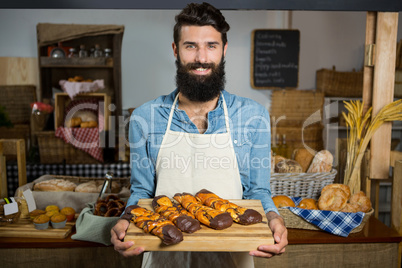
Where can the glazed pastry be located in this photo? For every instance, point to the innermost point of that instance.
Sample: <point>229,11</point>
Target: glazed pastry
<point>239,214</point>
<point>183,219</point>
<point>154,223</point>
<point>281,201</point>
<point>213,218</point>
<point>308,203</point>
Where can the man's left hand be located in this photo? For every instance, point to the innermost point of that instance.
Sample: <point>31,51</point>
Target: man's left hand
<point>280,234</point>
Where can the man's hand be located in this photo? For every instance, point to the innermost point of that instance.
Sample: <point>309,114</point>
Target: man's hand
<point>118,232</point>
<point>280,234</point>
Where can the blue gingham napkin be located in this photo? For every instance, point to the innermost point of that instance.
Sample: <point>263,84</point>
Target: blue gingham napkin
<point>334,222</point>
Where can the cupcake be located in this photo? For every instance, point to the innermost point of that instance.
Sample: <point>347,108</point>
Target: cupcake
<point>52,207</point>
<point>34,213</point>
<point>69,212</point>
<point>41,222</point>
<point>58,221</point>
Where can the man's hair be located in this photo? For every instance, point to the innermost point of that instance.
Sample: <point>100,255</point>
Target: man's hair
<point>200,15</point>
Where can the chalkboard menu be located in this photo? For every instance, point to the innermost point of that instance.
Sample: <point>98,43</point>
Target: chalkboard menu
<point>275,59</point>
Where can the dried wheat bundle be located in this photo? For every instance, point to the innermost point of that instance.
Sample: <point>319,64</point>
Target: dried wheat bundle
<point>361,128</point>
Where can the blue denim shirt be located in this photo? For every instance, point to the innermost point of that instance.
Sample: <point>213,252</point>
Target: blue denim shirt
<point>250,131</point>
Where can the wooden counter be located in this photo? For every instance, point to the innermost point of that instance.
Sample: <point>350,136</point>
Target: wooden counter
<point>375,246</point>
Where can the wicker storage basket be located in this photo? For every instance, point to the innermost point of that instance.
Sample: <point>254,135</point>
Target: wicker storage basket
<point>305,185</point>
<point>53,150</point>
<point>339,84</point>
<point>296,222</point>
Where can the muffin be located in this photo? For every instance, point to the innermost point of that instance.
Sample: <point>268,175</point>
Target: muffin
<point>50,213</point>
<point>58,221</point>
<point>52,207</point>
<point>41,222</point>
<point>69,212</point>
<point>34,213</point>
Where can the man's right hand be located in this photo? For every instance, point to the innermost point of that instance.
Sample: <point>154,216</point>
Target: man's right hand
<point>118,233</point>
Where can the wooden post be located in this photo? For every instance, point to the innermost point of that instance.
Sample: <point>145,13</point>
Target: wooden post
<point>396,203</point>
<point>383,91</point>
<point>3,174</point>
<point>17,147</point>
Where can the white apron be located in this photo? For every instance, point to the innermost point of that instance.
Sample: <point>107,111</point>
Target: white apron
<point>190,162</point>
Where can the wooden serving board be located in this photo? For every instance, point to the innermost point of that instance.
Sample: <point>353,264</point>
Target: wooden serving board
<point>237,238</point>
<point>26,228</point>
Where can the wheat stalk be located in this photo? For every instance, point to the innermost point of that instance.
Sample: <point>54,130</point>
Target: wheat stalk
<point>360,131</point>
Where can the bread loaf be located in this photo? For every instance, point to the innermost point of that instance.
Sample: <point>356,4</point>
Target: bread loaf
<point>96,186</point>
<point>303,157</point>
<point>288,166</point>
<point>322,162</point>
<point>55,185</point>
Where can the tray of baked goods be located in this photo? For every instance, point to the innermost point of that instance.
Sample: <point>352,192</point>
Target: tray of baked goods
<point>51,222</point>
<point>200,222</point>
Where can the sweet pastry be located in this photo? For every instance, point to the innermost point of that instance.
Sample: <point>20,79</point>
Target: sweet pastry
<point>58,218</point>
<point>183,219</point>
<point>54,185</point>
<point>34,213</point>
<point>362,201</point>
<point>73,122</point>
<point>154,223</point>
<point>322,162</point>
<point>304,157</point>
<point>288,166</point>
<point>89,124</point>
<point>111,206</point>
<point>341,186</point>
<point>69,212</point>
<point>333,199</point>
<point>41,219</point>
<point>308,203</point>
<point>239,214</point>
<point>281,201</point>
<point>210,217</point>
<point>50,213</point>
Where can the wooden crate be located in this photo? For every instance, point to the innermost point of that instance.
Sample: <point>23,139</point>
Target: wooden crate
<point>62,100</point>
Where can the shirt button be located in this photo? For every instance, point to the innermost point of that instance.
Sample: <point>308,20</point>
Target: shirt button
<point>235,141</point>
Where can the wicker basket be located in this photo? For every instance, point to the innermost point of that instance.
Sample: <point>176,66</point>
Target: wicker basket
<point>53,150</point>
<point>339,84</point>
<point>124,181</point>
<point>296,222</point>
<point>305,185</point>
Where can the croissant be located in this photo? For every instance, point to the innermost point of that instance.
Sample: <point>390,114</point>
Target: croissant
<point>239,214</point>
<point>74,122</point>
<point>213,218</point>
<point>89,124</point>
<point>183,219</point>
<point>154,223</point>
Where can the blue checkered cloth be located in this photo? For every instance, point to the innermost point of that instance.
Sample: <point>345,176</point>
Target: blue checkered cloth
<point>334,222</point>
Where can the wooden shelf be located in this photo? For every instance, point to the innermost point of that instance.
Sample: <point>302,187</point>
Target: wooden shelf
<point>76,62</point>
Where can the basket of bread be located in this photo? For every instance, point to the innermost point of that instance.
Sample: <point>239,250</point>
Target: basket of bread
<point>304,175</point>
<point>336,210</point>
<point>72,191</point>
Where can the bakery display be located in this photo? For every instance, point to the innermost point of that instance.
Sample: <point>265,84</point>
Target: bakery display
<point>210,217</point>
<point>54,185</point>
<point>154,223</point>
<point>281,201</point>
<point>239,214</point>
<point>183,219</point>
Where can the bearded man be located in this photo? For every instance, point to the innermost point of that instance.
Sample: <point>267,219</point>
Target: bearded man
<point>177,140</point>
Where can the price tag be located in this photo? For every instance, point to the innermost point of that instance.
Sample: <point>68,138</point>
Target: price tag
<point>11,207</point>
<point>30,200</point>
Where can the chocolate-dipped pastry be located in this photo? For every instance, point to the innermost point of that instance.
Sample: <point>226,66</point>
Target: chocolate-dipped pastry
<point>183,219</point>
<point>208,216</point>
<point>239,214</point>
<point>155,224</point>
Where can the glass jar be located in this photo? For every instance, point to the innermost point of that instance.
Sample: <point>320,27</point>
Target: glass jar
<point>98,52</point>
<point>72,53</point>
<point>82,53</point>
<point>108,52</point>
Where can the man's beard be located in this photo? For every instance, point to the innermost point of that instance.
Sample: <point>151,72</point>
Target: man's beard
<point>200,88</point>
